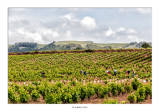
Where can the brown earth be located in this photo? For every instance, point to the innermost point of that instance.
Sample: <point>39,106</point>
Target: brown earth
<point>82,51</point>
<point>95,100</point>
<point>120,98</point>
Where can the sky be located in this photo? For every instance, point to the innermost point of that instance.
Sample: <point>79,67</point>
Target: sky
<point>100,25</point>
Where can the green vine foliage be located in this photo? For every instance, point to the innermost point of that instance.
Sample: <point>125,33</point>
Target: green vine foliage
<point>132,98</point>
<point>24,96</point>
<point>71,93</point>
<point>58,67</point>
<point>12,96</point>
<point>57,77</point>
<point>135,84</point>
<point>140,94</point>
<point>110,101</point>
<point>35,95</point>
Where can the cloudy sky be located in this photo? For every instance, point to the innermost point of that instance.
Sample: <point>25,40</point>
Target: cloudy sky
<point>100,25</point>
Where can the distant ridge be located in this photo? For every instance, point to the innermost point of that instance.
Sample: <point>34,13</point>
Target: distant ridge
<point>70,45</point>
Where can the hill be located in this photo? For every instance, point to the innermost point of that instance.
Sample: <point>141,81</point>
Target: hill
<point>70,45</point>
<point>22,47</point>
<point>73,45</point>
<point>136,45</point>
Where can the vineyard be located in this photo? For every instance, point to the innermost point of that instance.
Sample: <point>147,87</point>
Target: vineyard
<point>55,78</point>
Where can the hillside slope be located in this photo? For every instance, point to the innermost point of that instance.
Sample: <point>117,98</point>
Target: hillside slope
<point>73,45</point>
<point>70,45</point>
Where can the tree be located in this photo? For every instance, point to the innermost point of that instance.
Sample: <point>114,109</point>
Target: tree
<point>110,47</point>
<point>146,45</point>
<point>78,48</point>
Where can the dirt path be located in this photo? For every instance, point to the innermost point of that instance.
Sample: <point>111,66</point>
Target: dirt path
<point>95,100</point>
<point>96,81</point>
<point>120,98</point>
<point>81,51</point>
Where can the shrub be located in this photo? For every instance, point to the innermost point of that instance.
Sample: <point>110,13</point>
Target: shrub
<point>97,89</point>
<point>131,98</point>
<point>120,89</point>
<point>102,94</point>
<point>105,82</point>
<point>68,98</point>
<point>42,90</point>
<point>35,83</point>
<point>146,45</point>
<point>59,84</point>
<point>89,50</point>
<point>123,102</point>
<point>75,95</point>
<point>113,89</point>
<point>110,101</point>
<point>128,88</point>
<point>73,83</point>
<point>83,92</point>
<point>14,98</point>
<point>90,92</point>
<point>53,88</point>
<point>30,88</point>
<point>104,91</point>
<point>140,94</point>
<point>51,98</point>
<point>24,96</point>
<point>135,84</point>
<point>17,88</point>
<point>150,80</point>
<point>35,95</point>
<point>146,79</point>
<point>148,91</point>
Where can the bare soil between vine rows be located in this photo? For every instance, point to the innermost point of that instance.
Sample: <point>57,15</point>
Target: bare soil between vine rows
<point>95,100</point>
<point>120,98</point>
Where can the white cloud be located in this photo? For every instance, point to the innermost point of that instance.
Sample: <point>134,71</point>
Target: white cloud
<point>41,35</point>
<point>144,10</point>
<point>132,38</point>
<point>121,34</point>
<point>139,10</point>
<point>68,16</point>
<point>121,29</point>
<point>45,26</point>
<point>64,25</point>
<point>36,37</point>
<point>68,35</point>
<point>97,34</point>
<point>21,35</point>
<point>88,23</point>
<point>50,32</point>
<point>131,31</point>
<point>126,30</point>
<point>109,32</point>
<point>20,30</point>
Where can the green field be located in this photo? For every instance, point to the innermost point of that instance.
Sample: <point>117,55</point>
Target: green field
<point>56,78</point>
<point>84,43</point>
<point>40,45</point>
